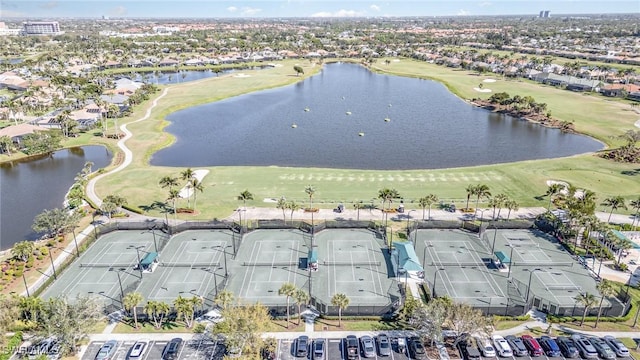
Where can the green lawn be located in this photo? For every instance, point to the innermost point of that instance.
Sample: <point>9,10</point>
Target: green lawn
<point>523,181</point>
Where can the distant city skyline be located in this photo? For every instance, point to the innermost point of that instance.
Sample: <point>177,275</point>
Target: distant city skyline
<point>302,8</point>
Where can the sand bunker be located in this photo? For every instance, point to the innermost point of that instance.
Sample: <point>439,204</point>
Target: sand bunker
<point>482,90</point>
<point>489,80</point>
<point>187,191</point>
<point>637,124</point>
<point>241,75</point>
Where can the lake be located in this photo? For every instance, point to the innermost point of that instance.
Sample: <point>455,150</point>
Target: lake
<point>348,117</point>
<point>28,187</point>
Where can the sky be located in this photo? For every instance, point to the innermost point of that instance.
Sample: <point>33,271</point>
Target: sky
<point>303,8</point>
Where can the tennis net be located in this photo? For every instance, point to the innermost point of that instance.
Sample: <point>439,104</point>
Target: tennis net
<point>348,263</point>
<point>542,263</point>
<point>459,264</point>
<point>191,265</point>
<point>563,287</point>
<point>106,265</point>
<point>290,263</point>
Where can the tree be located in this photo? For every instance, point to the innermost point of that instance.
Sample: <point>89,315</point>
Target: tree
<point>70,321</point>
<point>55,221</point>
<point>587,301</point>
<point>425,201</point>
<point>471,190</point>
<point>614,203</point>
<point>131,302</point>
<point>185,308</point>
<point>108,208</point>
<point>187,175</point>
<point>606,289</point>
<point>465,319</point>
<point>552,191</point>
<point>429,319</point>
<point>310,191</point>
<point>293,207</point>
<point>31,307</point>
<point>243,327</point>
<point>289,290</point>
<point>6,144</point>
<point>298,69</point>
<point>157,311</point>
<point>498,202</point>
<point>41,142</point>
<point>635,204</point>
<point>168,182</point>
<point>196,185</point>
<point>282,204</point>
<point>388,195</point>
<point>482,191</point>
<point>511,205</point>
<point>301,298</point>
<point>22,250</point>
<point>341,301</point>
<point>174,195</point>
<point>224,299</point>
<point>244,196</point>
<point>116,200</point>
<point>357,206</point>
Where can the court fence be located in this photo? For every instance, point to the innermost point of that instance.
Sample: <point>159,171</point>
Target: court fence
<point>395,298</point>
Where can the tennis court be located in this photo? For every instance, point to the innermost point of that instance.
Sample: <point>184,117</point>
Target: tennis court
<point>266,260</point>
<point>353,262</point>
<point>191,264</point>
<point>540,271</point>
<point>107,264</point>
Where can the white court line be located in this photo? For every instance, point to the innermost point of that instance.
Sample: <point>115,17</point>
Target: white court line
<point>246,273</point>
<point>373,273</point>
<point>446,273</point>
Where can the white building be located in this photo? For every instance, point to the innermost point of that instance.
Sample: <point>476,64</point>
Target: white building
<point>41,28</point>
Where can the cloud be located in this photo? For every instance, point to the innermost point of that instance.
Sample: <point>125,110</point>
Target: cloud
<point>463,12</point>
<point>375,7</point>
<point>118,11</point>
<point>232,9</point>
<point>11,14</point>
<point>249,11</point>
<point>485,4</point>
<point>49,5</point>
<point>339,13</point>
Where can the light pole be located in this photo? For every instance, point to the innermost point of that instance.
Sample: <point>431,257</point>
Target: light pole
<point>224,251</point>
<point>95,231</point>
<point>510,261</point>
<point>119,283</point>
<point>26,287</point>
<point>408,218</point>
<point>155,244</point>
<point>55,276</point>
<point>529,284</point>
<point>138,253</point>
<point>73,231</point>
<point>433,291</point>
<point>312,229</point>
<point>495,233</point>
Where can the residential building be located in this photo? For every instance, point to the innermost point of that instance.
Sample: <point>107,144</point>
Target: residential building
<point>41,28</point>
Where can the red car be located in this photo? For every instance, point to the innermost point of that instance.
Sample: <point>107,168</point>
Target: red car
<point>532,345</point>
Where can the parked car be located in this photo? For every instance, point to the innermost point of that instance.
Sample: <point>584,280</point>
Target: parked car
<point>107,350</point>
<point>368,346</point>
<point>485,347</point>
<point>384,345</point>
<point>172,349</point>
<point>416,349</point>
<point>318,349</point>
<point>302,346</point>
<point>585,348</point>
<point>604,351</point>
<point>41,348</point>
<point>550,347</point>
<point>502,346</point>
<point>517,346</point>
<point>468,349</point>
<point>137,350</point>
<point>351,347</point>
<point>616,345</point>
<point>532,345</point>
<point>567,347</point>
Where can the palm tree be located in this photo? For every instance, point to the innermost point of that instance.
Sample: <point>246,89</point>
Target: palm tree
<point>187,175</point>
<point>301,297</point>
<point>168,182</point>
<point>289,290</point>
<point>282,204</point>
<point>310,190</point>
<point>587,301</point>
<point>482,190</point>
<point>606,289</point>
<point>31,307</point>
<point>471,190</point>
<point>185,308</point>
<point>244,196</point>
<point>174,195</point>
<point>117,200</point>
<point>342,302</point>
<point>196,185</point>
<point>387,195</point>
<point>6,144</point>
<point>224,299</point>
<point>22,250</point>
<point>615,203</point>
<point>357,206</point>
<point>130,303</point>
<point>501,200</point>
<point>511,205</point>
<point>425,201</point>
<point>293,207</point>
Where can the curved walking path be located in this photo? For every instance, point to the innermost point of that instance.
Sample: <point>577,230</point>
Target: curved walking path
<point>128,155</point>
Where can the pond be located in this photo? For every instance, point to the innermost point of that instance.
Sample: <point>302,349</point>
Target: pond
<point>177,77</point>
<point>349,117</point>
<point>28,187</point>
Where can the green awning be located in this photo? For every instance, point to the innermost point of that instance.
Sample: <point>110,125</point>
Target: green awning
<point>148,259</point>
<point>502,257</point>
<point>313,256</point>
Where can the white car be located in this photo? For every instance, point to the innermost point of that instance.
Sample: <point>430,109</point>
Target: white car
<point>502,346</point>
<point>484,345</point>
<point>137,350</point>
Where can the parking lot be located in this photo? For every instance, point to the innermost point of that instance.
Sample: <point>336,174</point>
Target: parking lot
<point>206,349</point>
<point>334,350</point>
